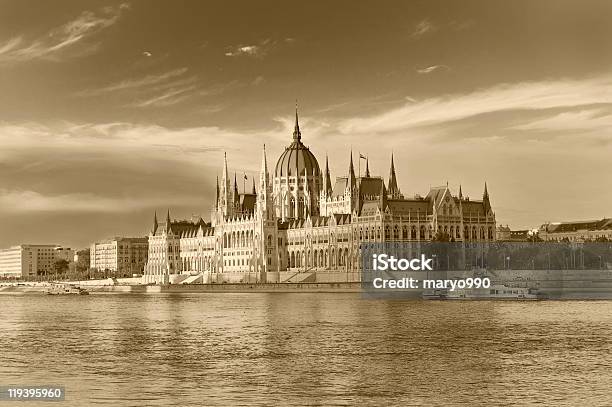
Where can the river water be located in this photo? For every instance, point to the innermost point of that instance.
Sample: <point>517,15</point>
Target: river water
<point>306,349</point>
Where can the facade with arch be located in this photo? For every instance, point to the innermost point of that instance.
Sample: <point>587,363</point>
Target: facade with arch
<point>297,220</point>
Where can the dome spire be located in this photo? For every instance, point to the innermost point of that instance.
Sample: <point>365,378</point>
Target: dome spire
<point>296,130</point>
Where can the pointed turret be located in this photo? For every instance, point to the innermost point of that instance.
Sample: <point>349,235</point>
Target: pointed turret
<point>254,192</point>
<point>236,196</point>
<point>226,201</point>
<point>168,220</point>
<point>393,188</point>
<point>460,192</point>
<point>225,173</point>
<point>263,174</point>
<point>351,174</point>
<point>264,198</point>
<point>217,195</point>
<point>367,172</point>
<point>485,200</point>
<point>155,224</point>
<point>297,136</point>
<point>327,187</point>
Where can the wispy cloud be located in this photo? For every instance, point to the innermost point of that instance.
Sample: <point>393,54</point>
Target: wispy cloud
<point>164,89</point>
<point>255,50</point>
<point>432,68</point>
<point>423,27</point>
<point>62,39</point>
<point>169,97</point>
<point>134,83</point>
<point>589,119</point>
<point>25,201</point>
<point>506,97</point>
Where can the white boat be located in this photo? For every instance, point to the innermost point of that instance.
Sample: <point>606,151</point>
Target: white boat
<point>495,292</point>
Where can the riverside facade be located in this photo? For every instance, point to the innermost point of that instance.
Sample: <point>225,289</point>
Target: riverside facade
<point>297,223</point>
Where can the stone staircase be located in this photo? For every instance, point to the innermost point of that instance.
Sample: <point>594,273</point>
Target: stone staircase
<point>302,277</point>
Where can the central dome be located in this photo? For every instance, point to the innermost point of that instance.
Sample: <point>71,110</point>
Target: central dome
<point>296,158</point>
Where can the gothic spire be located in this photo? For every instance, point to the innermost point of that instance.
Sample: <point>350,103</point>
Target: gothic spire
<point>485,199</point>
<point>217,196</point>
<point>155,224</point>
<point>264,200</point>
<point>460,192</point>
<point>225,173</point>
<point>351,172</point>
<point>264,164</point>
<point>393,189</point>
<point>367,171</point>
<point>254,192</point>
<point>168,220</point>
<point>297,135</point>
<point>327,186</point>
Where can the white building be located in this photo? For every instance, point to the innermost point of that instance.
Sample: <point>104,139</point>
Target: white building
<point>577,231</point>
<point>29,260</point>
<point>125,255</point>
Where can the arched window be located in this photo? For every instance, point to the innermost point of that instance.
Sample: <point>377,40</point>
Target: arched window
<point>346,257</point>
<point>292,208</point>
<point>300,207</point>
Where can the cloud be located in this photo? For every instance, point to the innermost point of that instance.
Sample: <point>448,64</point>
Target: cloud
<point>134,83</point>
<point>432,68</point>
<point>423,27</point>
<point>251,50</point>
<point>504,97</point>
<point>258,50</point>
<point>121,140</point>
<point>588,119</point>
<point>165,89</point>
<point>62,39</point>
<point>170,97</point>
<point>258,81</point>
<point>25,201</point>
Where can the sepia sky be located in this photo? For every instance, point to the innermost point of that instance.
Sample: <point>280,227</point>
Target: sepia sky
<point>110,111</point>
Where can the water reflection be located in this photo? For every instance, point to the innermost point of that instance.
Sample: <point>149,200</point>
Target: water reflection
<point>299,348</point>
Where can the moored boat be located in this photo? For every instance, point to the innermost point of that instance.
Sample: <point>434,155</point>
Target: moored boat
<point>66,289</point>
<point>495,292</point>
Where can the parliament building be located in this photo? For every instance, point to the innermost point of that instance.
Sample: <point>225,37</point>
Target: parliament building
<point>297,225</point>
